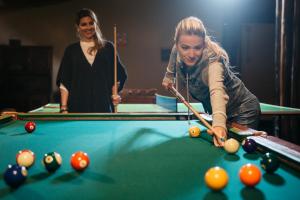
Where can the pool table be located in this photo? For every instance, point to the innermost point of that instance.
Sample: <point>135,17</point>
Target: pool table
<point>132,157</point>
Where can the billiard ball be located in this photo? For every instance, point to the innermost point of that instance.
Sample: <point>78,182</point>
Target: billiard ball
<point>269,162</point>
<point>249,145</point>
<point>231,146</point>
<point>25,158</point>
<point>80,161</point>
<point>250,175</point>
<point>216,178</point>
<point>15,175</point>
<point>194,131</point>
<point>30,127</point>
<point>52,161</point>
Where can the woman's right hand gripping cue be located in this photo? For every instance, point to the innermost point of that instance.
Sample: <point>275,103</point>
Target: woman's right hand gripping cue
<point>219,135</point>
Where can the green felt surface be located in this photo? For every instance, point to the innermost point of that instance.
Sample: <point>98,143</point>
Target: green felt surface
<point>132,160</point>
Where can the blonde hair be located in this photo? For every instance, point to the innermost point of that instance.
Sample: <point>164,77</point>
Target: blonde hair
<point>194,26</point>
<point>98,38</point>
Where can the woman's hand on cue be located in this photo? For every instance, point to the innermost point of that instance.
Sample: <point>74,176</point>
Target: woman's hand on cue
<point>167,85</point>
<point>116,99</point>
<point>220,135</point>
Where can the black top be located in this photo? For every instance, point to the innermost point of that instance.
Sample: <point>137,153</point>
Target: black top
<point>90,87</point>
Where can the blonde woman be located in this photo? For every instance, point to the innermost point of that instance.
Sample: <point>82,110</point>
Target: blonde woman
<point>86,73</point>
<point>204,64</point>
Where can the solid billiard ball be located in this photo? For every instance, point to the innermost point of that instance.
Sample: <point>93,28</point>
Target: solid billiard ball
<point>80,161</point>
<point>52,161</point>
<point>269,162</point>
<point>15,175</point>
<point>194,131</point>
<point>30,127</point>
<point>216,178</point>
<point>231,146</point>
<point>250,175</point>
<point>25,158</point>
<point>249,145</point>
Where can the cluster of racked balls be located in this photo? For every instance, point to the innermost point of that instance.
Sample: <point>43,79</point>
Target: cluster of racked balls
<point>216,178</point>
<point>16,174</point>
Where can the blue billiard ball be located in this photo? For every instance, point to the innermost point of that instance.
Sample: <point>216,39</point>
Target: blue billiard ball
<point>249,145</point>
<point>15,175</point>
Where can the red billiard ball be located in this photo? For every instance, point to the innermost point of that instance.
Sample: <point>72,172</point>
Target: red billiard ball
<point>80,161</point>
<point>25,158</point>
<point>30,127</point>
<point>250,175</point>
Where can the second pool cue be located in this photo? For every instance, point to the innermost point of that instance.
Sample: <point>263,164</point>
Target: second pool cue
<point>115,91</point>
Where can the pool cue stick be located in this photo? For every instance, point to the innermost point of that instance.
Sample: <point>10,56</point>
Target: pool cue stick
<point>115,92</point>
<point>187,96</point>
<point>182,99</point>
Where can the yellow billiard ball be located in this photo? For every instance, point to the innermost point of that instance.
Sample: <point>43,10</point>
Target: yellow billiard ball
<point>216,178</point>
<point>25,158</point>
<point>194,131</point>
<point>231,146</point>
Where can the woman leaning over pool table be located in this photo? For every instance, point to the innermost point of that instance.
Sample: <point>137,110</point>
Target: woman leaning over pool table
<point>204,64</point>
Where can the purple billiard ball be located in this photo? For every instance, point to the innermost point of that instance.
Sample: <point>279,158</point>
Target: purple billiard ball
<point>249,145</point>
<point>15,175</point>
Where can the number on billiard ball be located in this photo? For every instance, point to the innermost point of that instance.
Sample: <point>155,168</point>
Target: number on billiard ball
<point>80,161</point>
<point>269,162</point>
<point>249,145</point>
<point>250,175</point>
<point>216,178</point>
<point>15,175</point>
<point>25,158</point>
<point>30,127</point>
<point>52,161</point>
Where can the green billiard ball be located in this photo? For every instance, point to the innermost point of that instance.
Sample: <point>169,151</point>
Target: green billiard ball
<point>52,161</point>
<point>269,162</point>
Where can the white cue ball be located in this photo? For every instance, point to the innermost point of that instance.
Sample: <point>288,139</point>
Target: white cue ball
<point>231,146</point>
<point>25,158</point>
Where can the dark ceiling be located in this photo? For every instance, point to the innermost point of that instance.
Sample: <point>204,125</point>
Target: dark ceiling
<point>8,5</point>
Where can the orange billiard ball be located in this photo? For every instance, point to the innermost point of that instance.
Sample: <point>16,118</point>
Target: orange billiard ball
<point>80,161</point>
<point>250,175</point>
<point>30,127</point>
<point>194,131</point>
<point>216,178</point>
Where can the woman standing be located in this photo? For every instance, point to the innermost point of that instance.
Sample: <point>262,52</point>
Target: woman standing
<point>86,73</point>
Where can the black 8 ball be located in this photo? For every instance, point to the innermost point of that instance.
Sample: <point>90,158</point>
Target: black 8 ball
<point>269,162</point>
